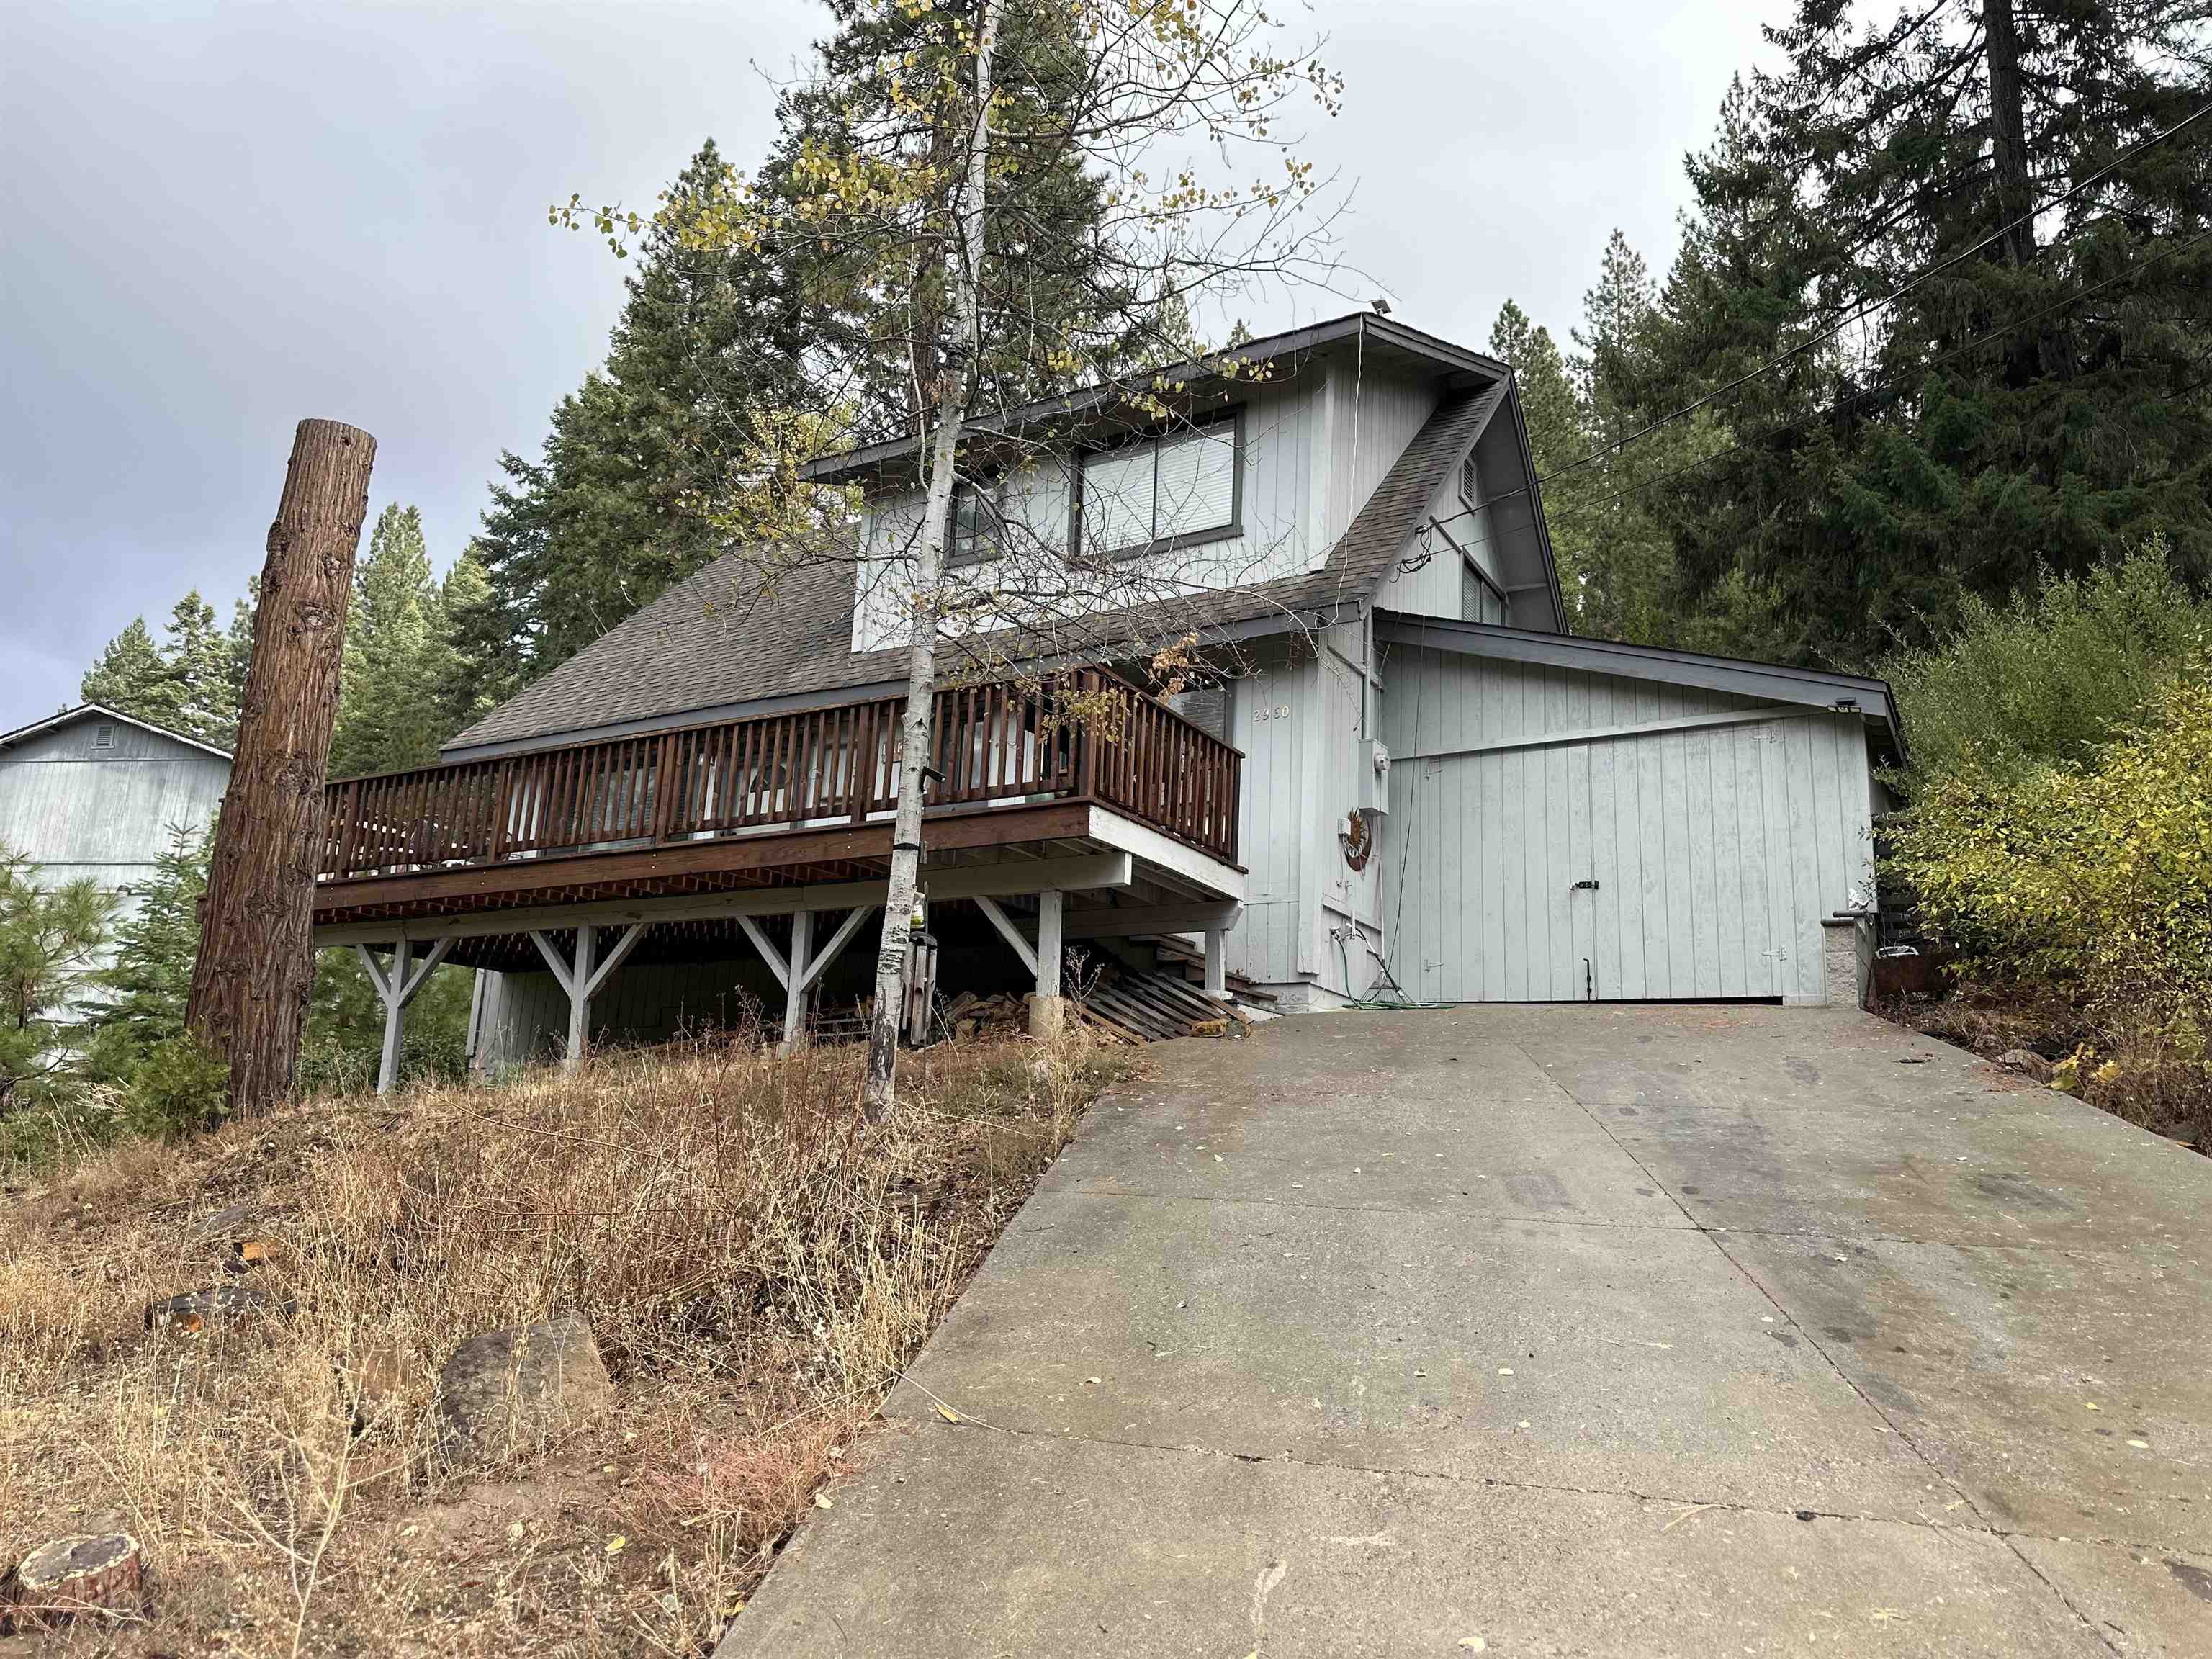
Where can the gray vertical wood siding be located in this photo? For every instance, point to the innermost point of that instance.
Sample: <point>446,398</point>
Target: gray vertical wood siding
<point>104,813</point>
<point>1271,719</point>
<point>1717,849</point>
<point>523,1018</point>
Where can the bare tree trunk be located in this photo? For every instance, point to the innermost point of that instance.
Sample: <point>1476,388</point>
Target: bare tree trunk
<point>956,386</point>
<point>251,979</point>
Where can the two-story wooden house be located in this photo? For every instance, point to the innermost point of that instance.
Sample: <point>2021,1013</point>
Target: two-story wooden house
<point>1416,783</point>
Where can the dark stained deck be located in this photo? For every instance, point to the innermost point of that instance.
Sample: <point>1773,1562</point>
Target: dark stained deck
<point>799,798</point>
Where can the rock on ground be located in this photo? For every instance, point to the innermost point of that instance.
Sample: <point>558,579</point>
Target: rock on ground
<point>512,1390</point>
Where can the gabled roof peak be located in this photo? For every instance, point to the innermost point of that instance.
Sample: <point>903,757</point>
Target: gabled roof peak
<point>89,710</point>
<point>1363,331</point>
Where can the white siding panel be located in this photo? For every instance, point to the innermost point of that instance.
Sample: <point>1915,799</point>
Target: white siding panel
<point>1717,849</point>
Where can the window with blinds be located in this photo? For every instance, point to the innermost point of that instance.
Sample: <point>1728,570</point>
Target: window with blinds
<point>1479,602</point>
<point>1167,492</point>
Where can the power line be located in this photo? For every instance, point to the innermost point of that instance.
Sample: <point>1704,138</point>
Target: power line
<point>1936,362</point>
<point>1897,292</point>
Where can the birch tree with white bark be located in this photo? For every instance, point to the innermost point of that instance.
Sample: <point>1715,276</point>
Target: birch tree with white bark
<point>926,182</point>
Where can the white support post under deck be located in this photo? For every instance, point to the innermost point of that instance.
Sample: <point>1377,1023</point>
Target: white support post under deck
<point>1043,959</point>
<point>796,984</point>
<point>1217,963</point>
<point>1051,908</point>
<point>396,989</point>
<point>581,978</point>
<point>802,970</point>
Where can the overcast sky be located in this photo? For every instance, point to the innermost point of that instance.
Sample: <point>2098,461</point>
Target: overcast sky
<point>216,219</point>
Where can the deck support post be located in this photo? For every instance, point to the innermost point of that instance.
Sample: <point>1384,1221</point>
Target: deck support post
<point>1051,909</point>
<point>797,983</point>
<point>802,970</point>
<point>1217,963</point>
<point>579,999</point>
<point>395,989</point>
<point>582,977</point>
<point>1048,1011</point>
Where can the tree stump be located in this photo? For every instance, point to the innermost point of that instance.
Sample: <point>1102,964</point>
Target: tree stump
<point>256,960</point>
<point>100,1575</point>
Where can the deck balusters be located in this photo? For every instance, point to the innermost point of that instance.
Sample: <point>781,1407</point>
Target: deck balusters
<point>989,743</point>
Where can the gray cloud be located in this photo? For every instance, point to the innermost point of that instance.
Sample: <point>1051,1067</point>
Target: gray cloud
<point>220,218</point>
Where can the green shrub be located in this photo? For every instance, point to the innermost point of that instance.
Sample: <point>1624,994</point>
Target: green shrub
<point>2094,876</point>
<point>179,1088</point>
<point>2050,677</point>
<point>48,936</point>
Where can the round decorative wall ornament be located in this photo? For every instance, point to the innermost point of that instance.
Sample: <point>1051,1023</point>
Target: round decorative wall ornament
<point>1359,839</point>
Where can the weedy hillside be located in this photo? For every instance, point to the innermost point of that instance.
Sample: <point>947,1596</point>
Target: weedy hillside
<point>755,1270</point>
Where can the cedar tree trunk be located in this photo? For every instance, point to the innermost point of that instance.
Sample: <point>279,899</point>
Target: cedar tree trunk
<point>251,979</point>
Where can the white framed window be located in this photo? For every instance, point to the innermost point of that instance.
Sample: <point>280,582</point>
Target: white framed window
<point>1470,483</point>
<point>1178,490</point>
<point>103,737</point>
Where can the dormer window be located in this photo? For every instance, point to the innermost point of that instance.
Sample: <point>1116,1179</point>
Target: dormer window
<point>1175,490</point>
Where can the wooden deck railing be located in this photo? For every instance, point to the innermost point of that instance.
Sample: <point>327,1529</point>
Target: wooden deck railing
<point>1083,735</point>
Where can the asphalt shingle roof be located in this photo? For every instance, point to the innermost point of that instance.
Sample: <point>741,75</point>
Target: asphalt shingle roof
<point>716,639</point>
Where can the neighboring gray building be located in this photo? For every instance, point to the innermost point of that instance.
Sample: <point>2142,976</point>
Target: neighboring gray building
<point>90,791</point>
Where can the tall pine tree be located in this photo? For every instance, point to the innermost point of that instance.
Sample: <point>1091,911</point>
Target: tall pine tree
<point>2036,398</point>
<point>388,714</point>
<point>189,684</point>
<point>132,678</point>
<point>619,505</point>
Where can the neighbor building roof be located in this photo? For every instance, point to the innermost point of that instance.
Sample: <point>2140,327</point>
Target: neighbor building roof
<point>102,711</point>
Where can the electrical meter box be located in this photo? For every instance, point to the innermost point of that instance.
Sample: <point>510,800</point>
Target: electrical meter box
<point>1374,777</point>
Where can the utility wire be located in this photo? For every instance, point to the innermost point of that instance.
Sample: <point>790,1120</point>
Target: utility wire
<point>1871,306</point>
<point>1482,536</point>
<point>1936,362</point>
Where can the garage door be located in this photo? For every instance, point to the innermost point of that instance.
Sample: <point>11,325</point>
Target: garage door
<point>1580,837</point>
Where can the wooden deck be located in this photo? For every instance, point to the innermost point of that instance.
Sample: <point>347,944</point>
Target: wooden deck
<point>799,799</point>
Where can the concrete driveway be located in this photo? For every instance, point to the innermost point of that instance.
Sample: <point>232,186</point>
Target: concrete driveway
<point>1559,1330</point>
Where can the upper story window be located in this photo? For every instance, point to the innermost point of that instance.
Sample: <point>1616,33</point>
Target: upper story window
<point>103,737</point>
<point>977,521</point>
<point>1174,491</point>
<point>1470,486</point>
<point>1480,599</point>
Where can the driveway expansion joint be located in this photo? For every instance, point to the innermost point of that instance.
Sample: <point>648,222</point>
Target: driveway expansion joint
<point>1977,1529</point>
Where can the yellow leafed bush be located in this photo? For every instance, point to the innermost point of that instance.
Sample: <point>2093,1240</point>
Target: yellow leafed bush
<point>2096,875</point>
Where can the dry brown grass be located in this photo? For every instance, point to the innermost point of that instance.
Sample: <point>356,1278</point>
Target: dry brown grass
<point>756,1268</point>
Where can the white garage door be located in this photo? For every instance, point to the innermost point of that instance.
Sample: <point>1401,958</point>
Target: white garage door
<point>1563,836</point>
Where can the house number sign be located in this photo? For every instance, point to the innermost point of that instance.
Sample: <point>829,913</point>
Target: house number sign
<point>1281,711</point>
